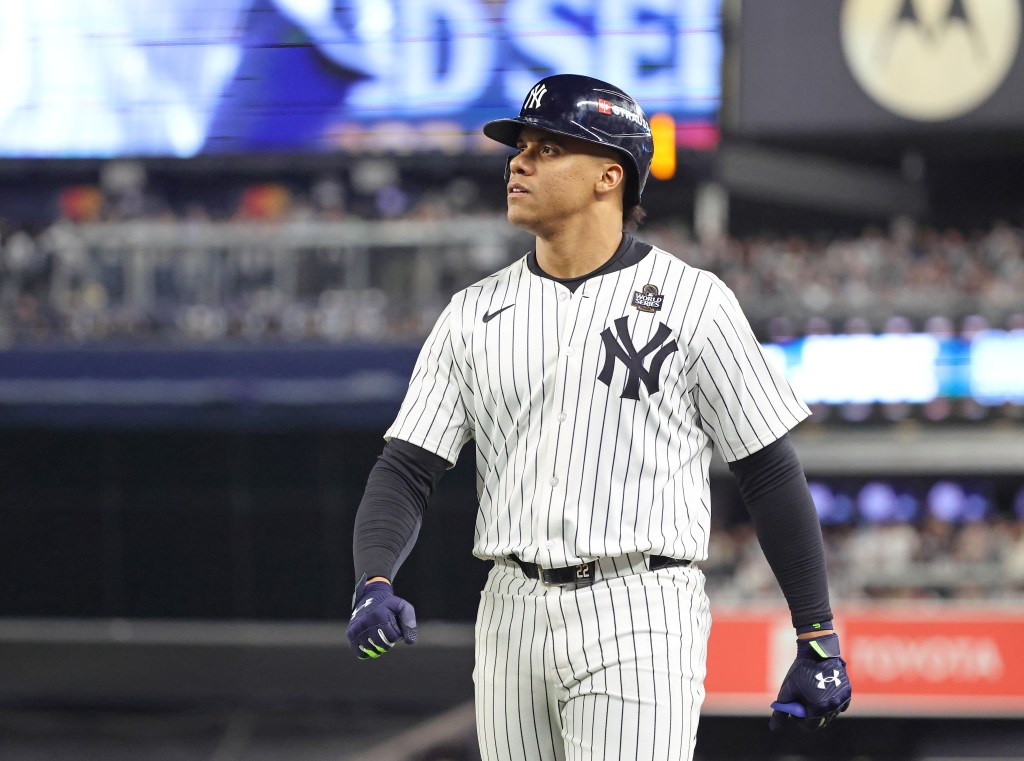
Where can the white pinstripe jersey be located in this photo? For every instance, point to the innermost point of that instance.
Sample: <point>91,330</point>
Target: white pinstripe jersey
<point>594,412</point>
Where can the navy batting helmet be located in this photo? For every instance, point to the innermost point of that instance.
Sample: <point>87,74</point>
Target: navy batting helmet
<point>591,110</point>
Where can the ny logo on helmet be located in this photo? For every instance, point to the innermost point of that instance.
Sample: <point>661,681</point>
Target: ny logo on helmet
<point>536,95</point>
<point>823,680</point>
<point>624,351</point>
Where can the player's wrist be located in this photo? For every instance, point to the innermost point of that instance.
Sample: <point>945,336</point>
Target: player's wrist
<point>813,635</point>
<point>819,648</point>
<point>815,629</point>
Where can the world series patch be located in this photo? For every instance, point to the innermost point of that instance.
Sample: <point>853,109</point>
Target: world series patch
<point>648,299</point>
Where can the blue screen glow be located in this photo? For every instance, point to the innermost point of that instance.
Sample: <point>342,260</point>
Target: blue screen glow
<point>187,77</point>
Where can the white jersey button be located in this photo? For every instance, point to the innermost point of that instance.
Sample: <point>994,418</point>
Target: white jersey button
<point>563,296</point>
<point>561,417</point>
<point>570,351</point>
<point>553,481</point>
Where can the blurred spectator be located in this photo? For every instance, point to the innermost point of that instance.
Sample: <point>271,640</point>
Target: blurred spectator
<point>1012,554</point>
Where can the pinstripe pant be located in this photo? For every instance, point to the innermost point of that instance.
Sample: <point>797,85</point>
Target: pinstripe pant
<point>601,673</point>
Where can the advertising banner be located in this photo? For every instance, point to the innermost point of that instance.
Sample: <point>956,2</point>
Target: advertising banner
<point>918,661</point>
<point>856,66</point>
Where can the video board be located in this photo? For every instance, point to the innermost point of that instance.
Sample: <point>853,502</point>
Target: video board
<point>189,77</point>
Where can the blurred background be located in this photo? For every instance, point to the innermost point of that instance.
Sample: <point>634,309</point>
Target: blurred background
<point>226,226</point>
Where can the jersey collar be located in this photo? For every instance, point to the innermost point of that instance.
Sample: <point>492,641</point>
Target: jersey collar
<point>629,252</point>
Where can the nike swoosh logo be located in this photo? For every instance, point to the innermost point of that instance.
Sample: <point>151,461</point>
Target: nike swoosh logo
<point>488,316</point>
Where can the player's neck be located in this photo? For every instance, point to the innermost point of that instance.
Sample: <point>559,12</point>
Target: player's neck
<point>575,250</point>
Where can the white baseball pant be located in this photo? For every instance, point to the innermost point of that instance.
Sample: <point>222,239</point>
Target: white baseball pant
<point>606,672</point>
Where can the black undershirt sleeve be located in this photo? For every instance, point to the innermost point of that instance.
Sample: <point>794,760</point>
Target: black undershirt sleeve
<point>391,512</point>
<point>775,493</point>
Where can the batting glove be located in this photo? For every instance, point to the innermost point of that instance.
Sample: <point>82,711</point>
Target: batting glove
<point>379,620</point>
<point>816,689</point>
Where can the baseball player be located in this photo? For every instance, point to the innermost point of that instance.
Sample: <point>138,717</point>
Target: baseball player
<point>595,375</point>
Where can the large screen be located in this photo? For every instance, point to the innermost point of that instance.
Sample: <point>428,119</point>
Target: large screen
<point>188,77</point>
<point>912,368</point>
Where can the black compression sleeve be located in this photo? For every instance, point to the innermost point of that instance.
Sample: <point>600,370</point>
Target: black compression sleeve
<point>392,508</point>
<point>776,495</point>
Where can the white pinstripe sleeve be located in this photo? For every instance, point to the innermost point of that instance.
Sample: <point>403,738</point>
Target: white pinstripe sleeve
<point>745,402</point>
<point>434,414</point>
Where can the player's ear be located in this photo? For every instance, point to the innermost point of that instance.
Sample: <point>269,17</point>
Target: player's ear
<point>612,176</point>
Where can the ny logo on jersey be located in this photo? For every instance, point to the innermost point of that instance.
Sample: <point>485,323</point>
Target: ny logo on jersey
<point>624,351</point>
<point>536,95</point>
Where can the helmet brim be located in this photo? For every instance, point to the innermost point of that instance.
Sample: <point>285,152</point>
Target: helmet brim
<point>505,131</point>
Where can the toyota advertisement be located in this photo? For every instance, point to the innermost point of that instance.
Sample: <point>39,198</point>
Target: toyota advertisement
<point>914,660</point>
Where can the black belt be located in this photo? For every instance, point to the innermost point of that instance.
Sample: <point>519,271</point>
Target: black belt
<point>583,575</point>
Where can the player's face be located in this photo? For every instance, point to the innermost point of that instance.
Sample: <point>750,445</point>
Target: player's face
<point>554,177</point>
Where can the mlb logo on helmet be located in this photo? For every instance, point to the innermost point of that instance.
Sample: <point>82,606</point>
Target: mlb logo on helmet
<point>603,106</point>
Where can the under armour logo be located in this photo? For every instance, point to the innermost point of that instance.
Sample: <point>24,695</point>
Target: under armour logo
<point>624,351</point>
<point>823,680</point>
<point>535,96</point>
<point>362,605</point>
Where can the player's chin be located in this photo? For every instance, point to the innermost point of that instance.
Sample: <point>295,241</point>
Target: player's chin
<point>522,217</point>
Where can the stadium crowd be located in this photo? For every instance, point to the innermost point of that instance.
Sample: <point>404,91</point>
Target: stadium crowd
<point>932,560</point>
<point>79,279</point>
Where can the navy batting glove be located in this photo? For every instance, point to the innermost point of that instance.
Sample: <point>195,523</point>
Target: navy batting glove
<point>379,620</point>
<point>816,689</point>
